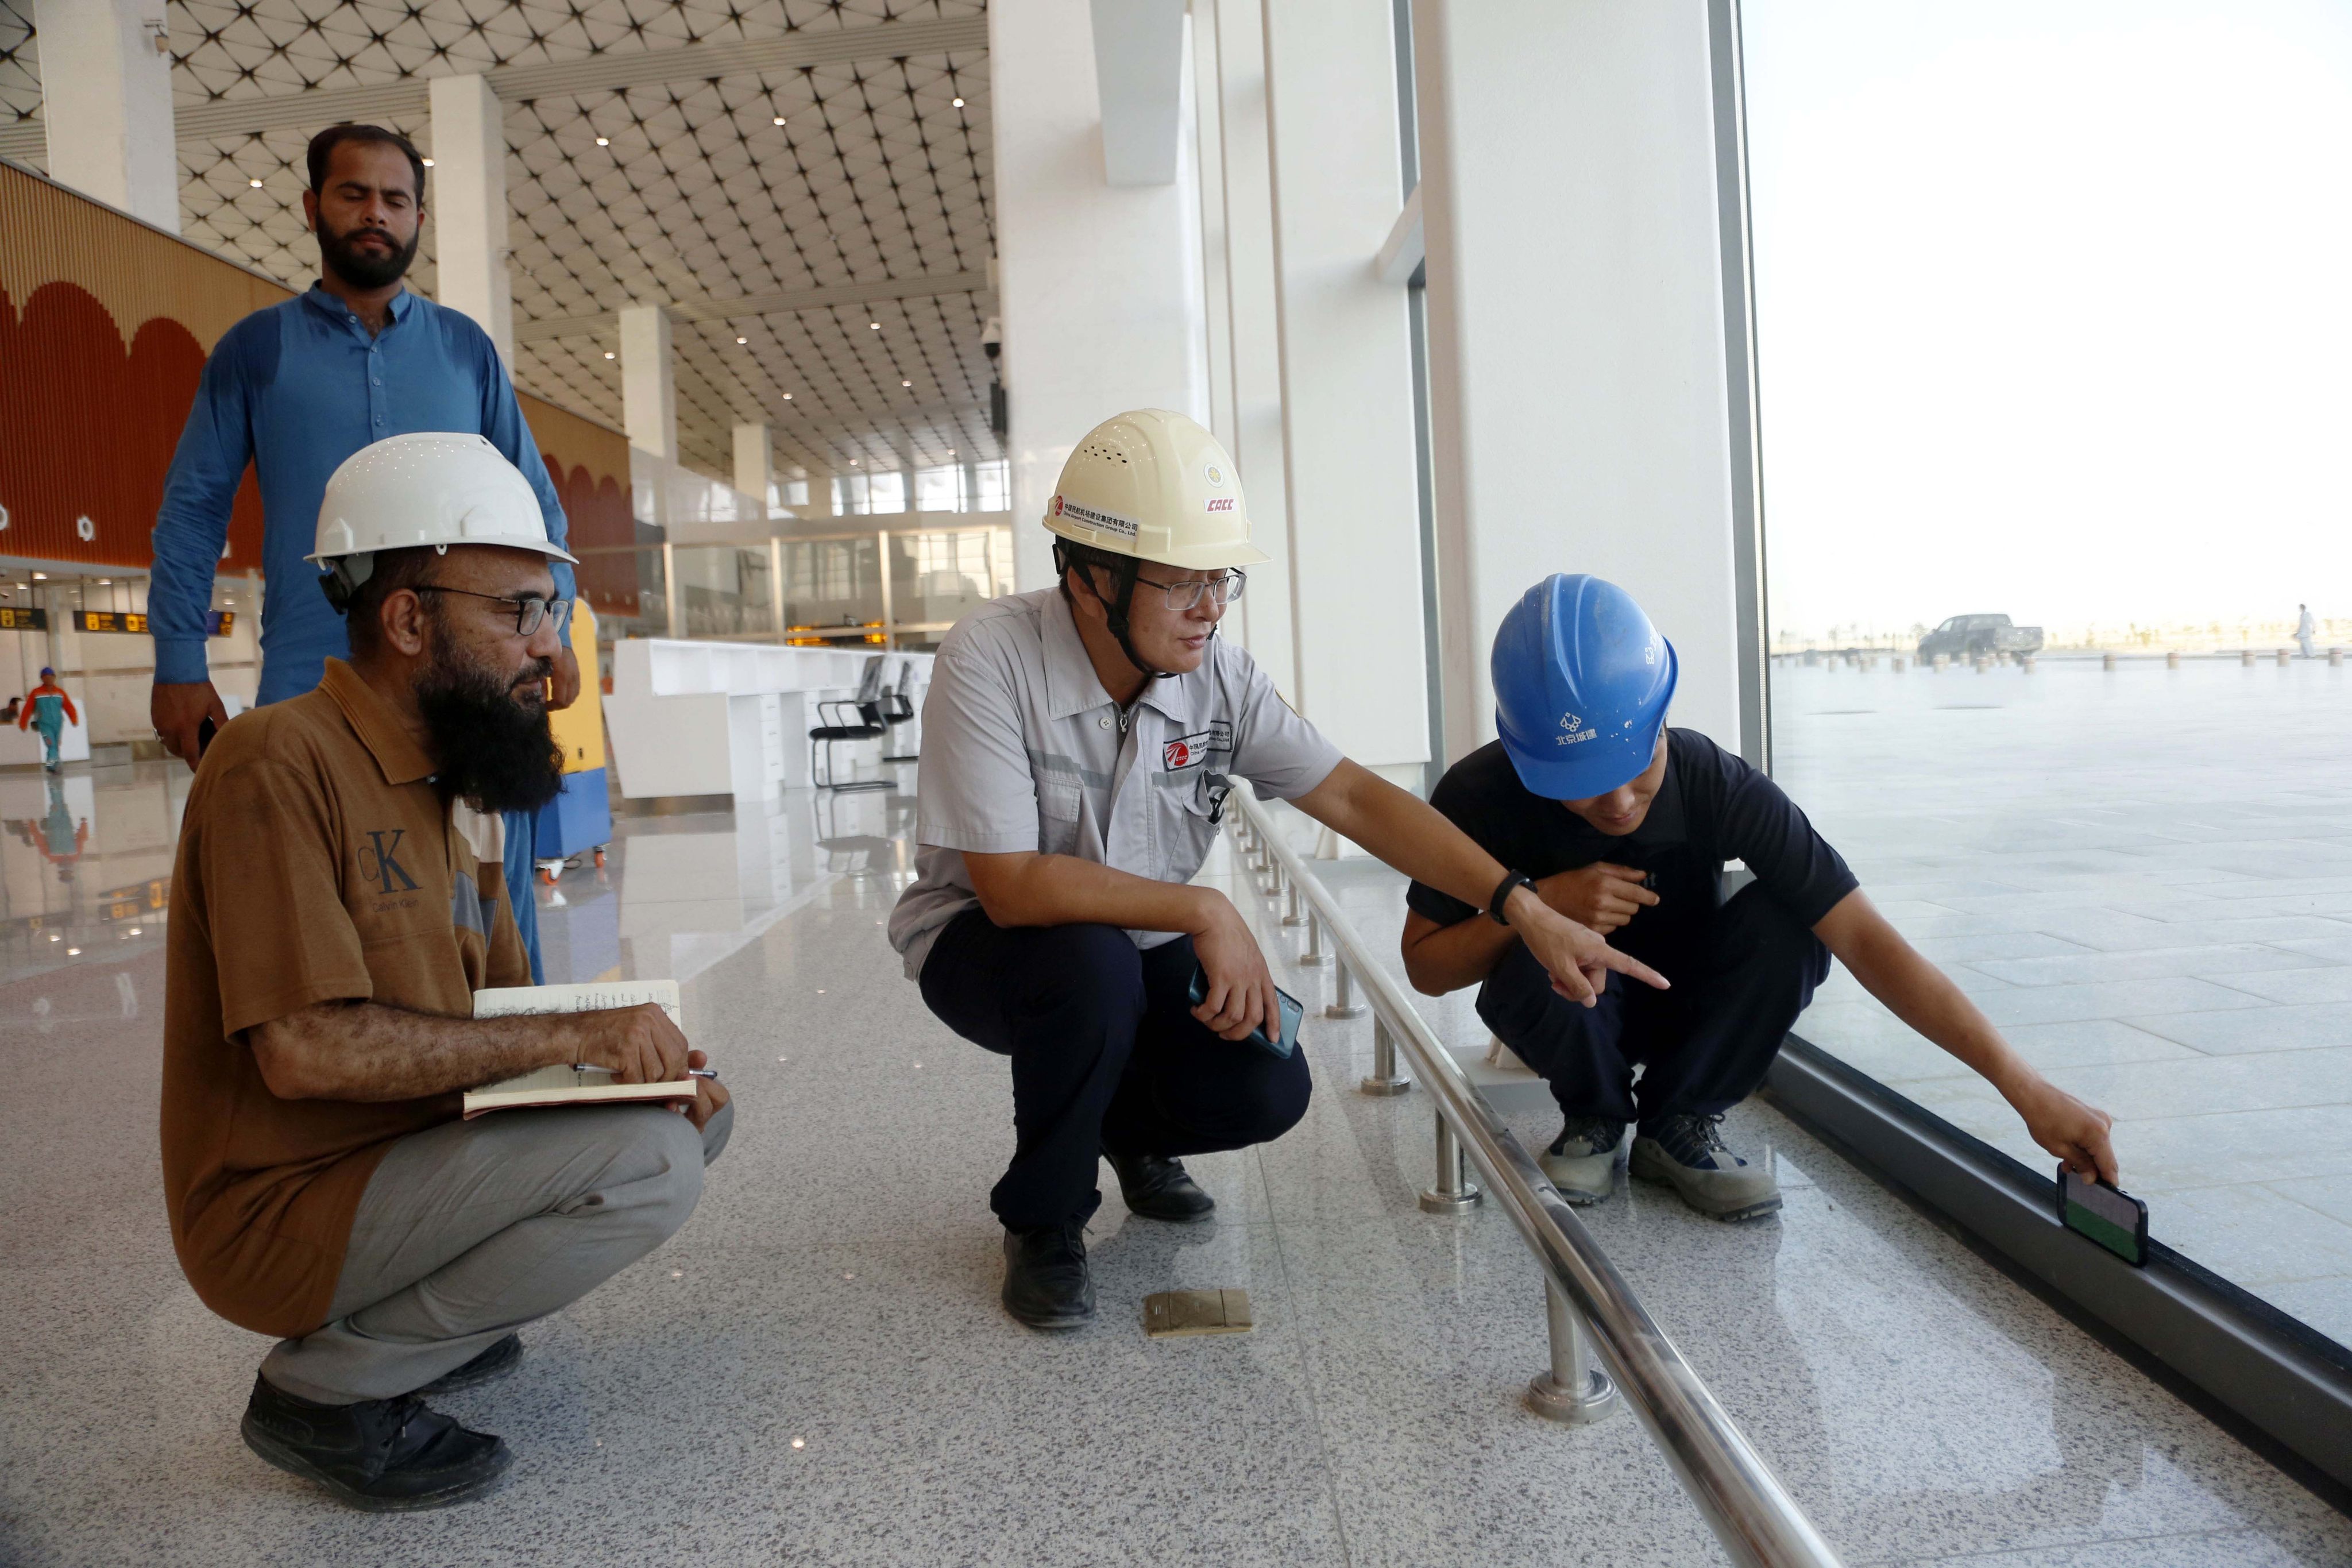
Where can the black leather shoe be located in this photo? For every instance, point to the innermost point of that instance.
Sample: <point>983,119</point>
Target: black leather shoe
<point>1045,1281</point>
<point>387,1456</point>
<point>487,1367</point>
<point>1157,1188</point>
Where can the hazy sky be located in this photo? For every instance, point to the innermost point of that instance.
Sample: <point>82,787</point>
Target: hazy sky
<point>2055,307</point>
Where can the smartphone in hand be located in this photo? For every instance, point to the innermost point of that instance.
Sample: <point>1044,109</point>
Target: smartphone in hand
<point>1287,1005</point>
<point>2109,1216</point>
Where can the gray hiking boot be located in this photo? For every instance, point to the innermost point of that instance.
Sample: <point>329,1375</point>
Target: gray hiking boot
<point>1582,1160</point>
<point>1688,1152</point>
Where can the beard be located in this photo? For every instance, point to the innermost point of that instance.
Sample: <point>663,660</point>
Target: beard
<point>365,267</point>
<point>490,750</point>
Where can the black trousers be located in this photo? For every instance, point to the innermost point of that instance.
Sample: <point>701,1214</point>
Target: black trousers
<point>1106,1055</point>
<point>1740,978</point>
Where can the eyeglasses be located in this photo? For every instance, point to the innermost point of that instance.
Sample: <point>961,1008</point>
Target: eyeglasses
<point>1222,591</point>
<point>530,610</point>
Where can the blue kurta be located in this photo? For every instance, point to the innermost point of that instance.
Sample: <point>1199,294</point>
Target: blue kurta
<point>295,389</point>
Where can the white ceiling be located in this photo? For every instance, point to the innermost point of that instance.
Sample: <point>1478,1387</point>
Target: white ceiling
<point>874,182</point>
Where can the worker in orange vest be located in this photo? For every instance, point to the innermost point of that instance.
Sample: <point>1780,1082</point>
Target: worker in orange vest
<point>48,706</point>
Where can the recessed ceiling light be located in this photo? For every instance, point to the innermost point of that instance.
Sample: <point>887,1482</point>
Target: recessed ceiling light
<point>853,462</point>
<point>780,119</point>
<point>743,340</point>
<point>788,398</point>
<point>950,451</point>
<point>603,140</point>
<point>255,184</point>
<point>905,383</point>
<point>958,102</point>
<point>876,325</point>
<point>428,162</point>
<point>608,353</point>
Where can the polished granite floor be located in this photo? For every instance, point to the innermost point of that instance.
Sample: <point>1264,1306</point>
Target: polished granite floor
<point>2144,876</point>
<point>816,1371</point>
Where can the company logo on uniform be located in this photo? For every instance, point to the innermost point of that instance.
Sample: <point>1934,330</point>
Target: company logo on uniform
<point>1101,522</point>
<point>378,865</point>
<point>1221,503</point>
<point>1572,731</point>
<point>1191,750</point>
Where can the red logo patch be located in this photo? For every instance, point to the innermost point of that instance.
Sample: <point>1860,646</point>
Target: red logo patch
<point>1176,754</point>
<point>1221,503</point>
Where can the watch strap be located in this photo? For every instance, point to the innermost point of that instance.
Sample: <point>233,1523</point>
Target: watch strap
<point>1503,895</point>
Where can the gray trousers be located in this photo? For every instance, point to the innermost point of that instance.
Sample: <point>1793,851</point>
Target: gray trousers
<point>471,1229</point>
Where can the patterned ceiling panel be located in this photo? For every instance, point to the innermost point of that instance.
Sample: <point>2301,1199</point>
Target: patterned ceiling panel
<point>851,172</point>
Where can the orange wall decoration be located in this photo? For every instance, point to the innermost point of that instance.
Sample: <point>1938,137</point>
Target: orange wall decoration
<point>104,327</point>
<point>590,465</point>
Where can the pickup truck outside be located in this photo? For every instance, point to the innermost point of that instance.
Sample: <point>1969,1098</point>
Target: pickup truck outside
<point>1964,637</point>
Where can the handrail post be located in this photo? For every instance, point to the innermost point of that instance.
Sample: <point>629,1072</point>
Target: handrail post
<point>1314,957</point>
<point>1343,1001</point>
<point>1570,1391</point>
<point>1385,1079</point>
<point>1291,914</point>
<point>1455,1193</point>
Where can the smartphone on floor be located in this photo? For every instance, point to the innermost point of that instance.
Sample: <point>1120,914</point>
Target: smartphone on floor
<point>1287,1005</point>
<point>2109,1216</point>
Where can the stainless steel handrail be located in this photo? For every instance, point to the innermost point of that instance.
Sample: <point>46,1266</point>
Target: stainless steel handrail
<point>1751,1511</point>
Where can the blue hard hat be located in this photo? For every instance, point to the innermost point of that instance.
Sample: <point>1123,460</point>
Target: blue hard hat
<point>1581,684</point>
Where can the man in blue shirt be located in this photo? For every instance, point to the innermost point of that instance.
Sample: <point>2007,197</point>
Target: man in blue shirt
<point>294,390</point>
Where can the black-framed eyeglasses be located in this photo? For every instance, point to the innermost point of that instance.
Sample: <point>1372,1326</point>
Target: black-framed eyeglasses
<point>1182,597</point>
<point>530,610</point>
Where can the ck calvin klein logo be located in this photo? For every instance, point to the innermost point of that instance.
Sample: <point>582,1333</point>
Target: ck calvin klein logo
<point>378,865</point>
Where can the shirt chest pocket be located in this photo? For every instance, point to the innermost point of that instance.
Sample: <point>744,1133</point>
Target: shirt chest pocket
<point>1189,818</point>
<point>1059,804</point>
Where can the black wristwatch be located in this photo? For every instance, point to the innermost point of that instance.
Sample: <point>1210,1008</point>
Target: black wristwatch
<point>1503,895</point>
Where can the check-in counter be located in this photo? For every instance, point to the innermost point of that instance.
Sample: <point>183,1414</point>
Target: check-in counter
<point>718,717</point>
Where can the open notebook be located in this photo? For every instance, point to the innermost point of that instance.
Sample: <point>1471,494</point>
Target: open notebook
<point>570,1085</point>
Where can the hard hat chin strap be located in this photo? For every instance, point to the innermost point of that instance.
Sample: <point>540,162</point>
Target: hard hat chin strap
<point>1125,569</point>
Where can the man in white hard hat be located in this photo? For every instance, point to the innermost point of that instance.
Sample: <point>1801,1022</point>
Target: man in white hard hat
<point>1079,744</point>
<point>338,899</point>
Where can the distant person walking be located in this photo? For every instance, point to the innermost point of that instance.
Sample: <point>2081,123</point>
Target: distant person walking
<point>2305,630</point>
<point>49,710</point>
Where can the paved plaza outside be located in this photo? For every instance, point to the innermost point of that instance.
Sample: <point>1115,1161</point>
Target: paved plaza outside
<point>2144,876</point>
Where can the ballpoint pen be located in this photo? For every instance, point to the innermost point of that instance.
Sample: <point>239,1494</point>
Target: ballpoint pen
<point>690,1072</point>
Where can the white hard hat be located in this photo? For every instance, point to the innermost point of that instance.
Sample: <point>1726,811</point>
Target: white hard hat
<point>1154,485</point>
<point>435,488</point>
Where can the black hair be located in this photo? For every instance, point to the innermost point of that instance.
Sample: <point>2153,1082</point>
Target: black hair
<point>323,145</point>
<point>394,570</point>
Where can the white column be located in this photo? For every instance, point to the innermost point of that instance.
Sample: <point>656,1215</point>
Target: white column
<point>755,462</point>
<point>1269,625</point>
<point>106,101</point>
<point>1099,286</point>
<point>1580,410</point>
<point>1216,297</point>
<point>649,381</point>
<point>1345,379</point>
<point>468,203</point>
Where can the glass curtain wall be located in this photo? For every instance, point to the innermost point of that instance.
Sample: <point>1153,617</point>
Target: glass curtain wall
<point>2051,324</point>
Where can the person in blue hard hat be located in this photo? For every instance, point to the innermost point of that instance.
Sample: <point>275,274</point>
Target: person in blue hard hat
<point>1624,825</point>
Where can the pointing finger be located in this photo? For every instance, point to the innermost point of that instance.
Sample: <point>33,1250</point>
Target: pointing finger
<point>1633,967</point>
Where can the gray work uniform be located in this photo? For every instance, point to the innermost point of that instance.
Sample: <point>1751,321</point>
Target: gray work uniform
<point>1024,750</point>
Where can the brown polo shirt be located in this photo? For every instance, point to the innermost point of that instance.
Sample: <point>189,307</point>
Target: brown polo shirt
<point>316,863</point>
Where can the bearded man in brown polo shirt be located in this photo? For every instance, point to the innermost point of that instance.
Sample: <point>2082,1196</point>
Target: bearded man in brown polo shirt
<point>338,898</point>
